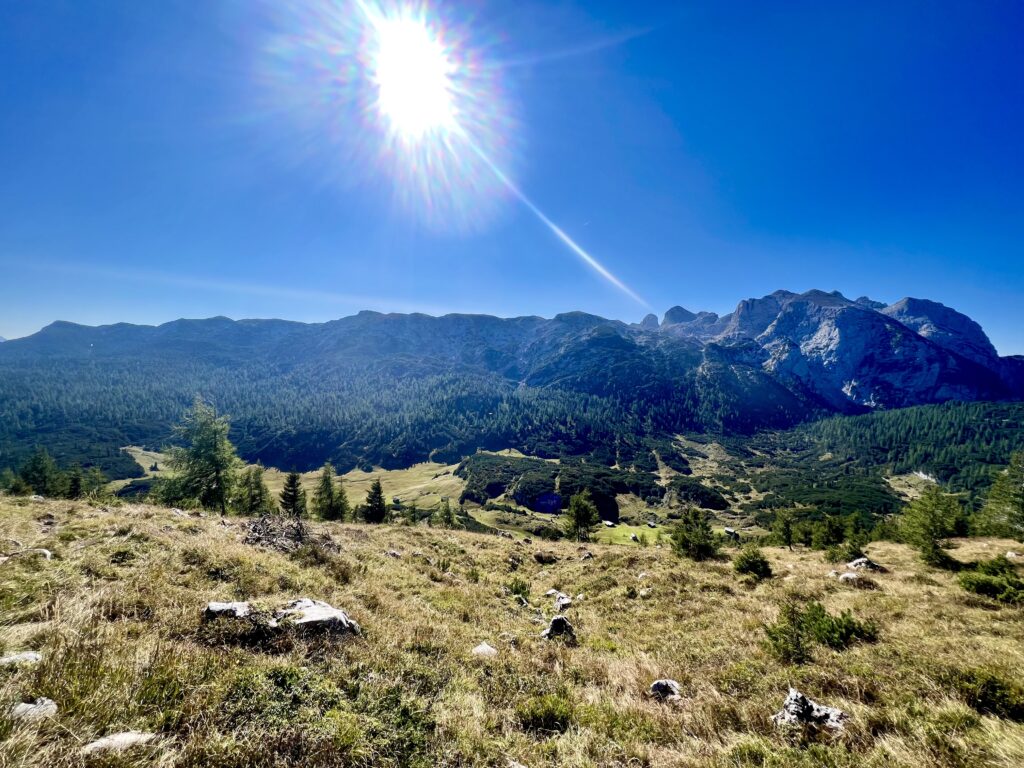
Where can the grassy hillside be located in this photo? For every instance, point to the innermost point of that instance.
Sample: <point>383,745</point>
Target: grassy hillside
<point>117,616</point>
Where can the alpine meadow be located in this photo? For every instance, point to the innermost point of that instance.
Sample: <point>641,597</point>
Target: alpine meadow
<point>511,475</point>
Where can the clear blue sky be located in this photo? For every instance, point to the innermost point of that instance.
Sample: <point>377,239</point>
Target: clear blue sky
<point>702,151</point>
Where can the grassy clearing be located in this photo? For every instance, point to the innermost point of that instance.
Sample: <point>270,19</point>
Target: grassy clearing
<point>116,614</point>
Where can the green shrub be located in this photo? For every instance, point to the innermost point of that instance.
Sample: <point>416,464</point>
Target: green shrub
<point>751,561</point>
<point>837,632</point>
<point>987,692</point>
<point>1006,589</point>
<point>519,586</point>
<point>798,629</point>
<point>551,712</point>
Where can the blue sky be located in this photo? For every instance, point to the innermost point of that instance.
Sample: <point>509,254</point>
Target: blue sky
<point>703,152</point>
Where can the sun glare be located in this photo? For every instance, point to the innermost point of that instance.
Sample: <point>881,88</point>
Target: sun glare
<point>412,73</point>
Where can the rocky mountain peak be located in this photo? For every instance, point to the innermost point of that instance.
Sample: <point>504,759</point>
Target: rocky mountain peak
<point>945,327</point>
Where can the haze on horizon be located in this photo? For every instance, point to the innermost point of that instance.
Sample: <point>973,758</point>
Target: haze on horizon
<point>209,159</point>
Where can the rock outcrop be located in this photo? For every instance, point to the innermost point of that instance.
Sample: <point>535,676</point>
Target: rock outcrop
<point>801,711</point>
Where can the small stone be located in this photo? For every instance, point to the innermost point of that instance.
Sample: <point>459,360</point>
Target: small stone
<point>800,710</point>
<point>587,556</point>
<point>38,710</point>
<point>559,627</point>
<point>486,651</point>
<point>651,524</point>
<point>562,602</point>
<point>522,601</point>
<point>119,742</point>
<point>849,577</point>
<point>645,593</point>
<point>545,558</point>
<point>634,537</point>
<point>178,512</point>
<point>1011,555</point>
<point>609,524</point>
<point>18,659</point>
<point>665,690</point>
<point>393,553</point>
<point>641,576</point>
<point>552,593</point>
<point>37,497</point>
<point>236,610</point>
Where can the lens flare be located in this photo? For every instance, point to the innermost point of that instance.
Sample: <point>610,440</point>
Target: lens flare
<point>396,86</point>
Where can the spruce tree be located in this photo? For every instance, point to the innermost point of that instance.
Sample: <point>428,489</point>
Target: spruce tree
<point>293,497</point>
<point>376,508</point>
<point>783,528</point>
<point>693,537</point>
<point>928,521</point>
<point>342,510</point>
<point>323,495</point>
<point>253,497</point>
<point>207,465</point>
<point>582,516</point>
<point>1003,513</point>
<point>75,482</point>
<point>40,473</point>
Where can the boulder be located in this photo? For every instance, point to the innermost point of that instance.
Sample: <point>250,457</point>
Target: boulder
<point>800,710</point>
<point>545,558</point>
<point>559,627</point>
<point>485,651</point>
<point>40,709</point>
<point>237,610</point>
<point>665,690</point>
<point>864,564</point>
<point>317,616</point>
<point>119,742</point>
<point>20,658</point>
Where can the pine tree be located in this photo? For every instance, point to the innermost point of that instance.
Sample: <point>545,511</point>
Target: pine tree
<point>928,521</point>
<point>693,537</point>
<point>376,509</point>
<point>293,497</point>
<point>323,495</point>
<point>1003,513</point>
<point>582,516</point>
<point>75,480</point>
<point>40,472</point>
<point>445,515</point>
<point>783,528</point>
<point>342,510</point>
<point>207,466</point>
<point>253,497</point>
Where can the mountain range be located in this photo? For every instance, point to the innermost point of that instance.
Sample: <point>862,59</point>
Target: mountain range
<point>391,389</point>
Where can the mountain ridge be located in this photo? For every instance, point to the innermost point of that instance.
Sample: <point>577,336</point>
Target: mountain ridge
<point>392,388</point>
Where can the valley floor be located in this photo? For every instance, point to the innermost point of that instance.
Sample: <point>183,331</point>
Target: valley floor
<point>117,617</point>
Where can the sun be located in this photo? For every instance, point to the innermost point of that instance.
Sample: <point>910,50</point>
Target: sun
<point>412,73</point>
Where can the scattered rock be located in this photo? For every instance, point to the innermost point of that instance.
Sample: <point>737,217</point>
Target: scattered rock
<point>641,576</point>
<point>800,710</point>
<point>645,593</point>
<point>522,601</point>
<point>545,558</point>
<point>608,524</point>
<point>864,564</point>
<point>119,742</point>
<point>559,627</point>
<point>20,658</point>
<point>178,512</point>
<point>732,534</point>
<point>833,574</point>
<point>38,710</point>
<point>505,535</point>
<point>317,616</point>
<point>1011,555</point>
<point>634,537</point>
<point>37,497</point>
<point>849,577</point>
<point>665,690</point>
<point>588,555</point>
<point>513,764</point>
<point>527,540</point>
<point>651,524</point>
<point>552,593</point>
<point>562,602</point>
<point>238,610</point>
<point>393,553</point>
<point>486,651</point>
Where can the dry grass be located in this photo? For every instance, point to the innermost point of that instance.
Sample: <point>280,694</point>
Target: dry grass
<point>116,615</point>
